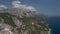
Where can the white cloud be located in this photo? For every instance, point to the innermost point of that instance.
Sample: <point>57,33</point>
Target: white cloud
<point>30,8</point>
<point>17,4</point>
<point>3,7</point>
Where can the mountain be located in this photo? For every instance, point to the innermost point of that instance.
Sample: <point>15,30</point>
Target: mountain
<point>22,21</point>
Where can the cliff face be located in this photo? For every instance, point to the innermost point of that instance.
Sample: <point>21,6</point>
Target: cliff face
<point>18,21</point>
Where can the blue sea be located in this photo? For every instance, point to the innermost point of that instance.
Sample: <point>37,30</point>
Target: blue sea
<point>54,24</point>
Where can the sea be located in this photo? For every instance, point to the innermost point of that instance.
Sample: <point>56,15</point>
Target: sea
<point>54,24</point>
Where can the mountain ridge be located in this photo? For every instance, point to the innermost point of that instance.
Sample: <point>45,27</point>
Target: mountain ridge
<point>23,22</point>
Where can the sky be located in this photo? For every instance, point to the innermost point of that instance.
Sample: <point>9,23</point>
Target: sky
<point>47,7</point>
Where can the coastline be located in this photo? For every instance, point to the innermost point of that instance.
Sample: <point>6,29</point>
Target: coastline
<point>49,32</point>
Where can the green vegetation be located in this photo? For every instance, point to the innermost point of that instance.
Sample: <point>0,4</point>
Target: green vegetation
<point>31,24</point>
<point>35,28</point>
<point>7,19</point>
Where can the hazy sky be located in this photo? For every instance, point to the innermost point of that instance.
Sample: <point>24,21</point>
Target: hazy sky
<point>48,7</point>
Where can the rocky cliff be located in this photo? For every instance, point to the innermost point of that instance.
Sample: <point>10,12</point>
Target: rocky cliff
<point>18,21</point>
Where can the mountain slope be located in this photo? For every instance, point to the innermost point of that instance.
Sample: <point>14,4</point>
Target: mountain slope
<point>23,23</point>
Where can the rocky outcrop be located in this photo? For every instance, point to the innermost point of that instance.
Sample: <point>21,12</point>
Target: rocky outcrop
<point>24,22</point>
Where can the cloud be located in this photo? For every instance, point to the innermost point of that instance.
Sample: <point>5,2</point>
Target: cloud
<point>17,4</point>
<point>3,7</point>
<point>30,8</point>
